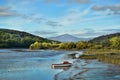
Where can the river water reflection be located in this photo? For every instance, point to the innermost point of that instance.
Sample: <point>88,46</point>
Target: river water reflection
<point>22,64</point>
<point>29,65</point>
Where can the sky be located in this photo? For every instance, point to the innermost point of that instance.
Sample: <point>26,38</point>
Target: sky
<point>49,18</point>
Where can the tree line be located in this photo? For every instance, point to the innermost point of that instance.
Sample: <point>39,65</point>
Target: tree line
<point>18,39</point>
<point>112,43</point>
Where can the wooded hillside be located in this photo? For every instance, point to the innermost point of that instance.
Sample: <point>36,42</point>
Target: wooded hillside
<point>18,39</point>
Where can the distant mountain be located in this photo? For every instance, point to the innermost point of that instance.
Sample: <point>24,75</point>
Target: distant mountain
<point>104,38</point>
<point>18,39</point>
<point>67,38</point>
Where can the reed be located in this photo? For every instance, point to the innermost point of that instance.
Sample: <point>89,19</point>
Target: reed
<point>114,59</point>
<point>108,56</point>
<point>88,56</point>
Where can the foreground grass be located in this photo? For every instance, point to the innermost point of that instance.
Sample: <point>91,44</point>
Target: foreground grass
<point>108,56</point>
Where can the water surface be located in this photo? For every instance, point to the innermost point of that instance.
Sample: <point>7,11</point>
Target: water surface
<point>23,64</point>
<point>29,65</point>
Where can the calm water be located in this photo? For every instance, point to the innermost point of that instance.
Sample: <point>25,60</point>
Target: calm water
<point>25,65</point>
<point>36,65</point>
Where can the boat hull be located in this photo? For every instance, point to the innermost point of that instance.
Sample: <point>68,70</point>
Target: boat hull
<point>60,65</point>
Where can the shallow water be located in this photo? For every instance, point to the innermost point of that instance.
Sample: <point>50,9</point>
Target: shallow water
<point>23,64</point>
<point>29,65</point>
<point>90,70</point>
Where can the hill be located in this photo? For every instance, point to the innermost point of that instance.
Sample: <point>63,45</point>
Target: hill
<point>18,39</point>
<point>104,38</point>
<point>67,38</point>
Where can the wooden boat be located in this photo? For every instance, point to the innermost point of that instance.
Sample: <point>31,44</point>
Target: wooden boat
<point>62,65</point>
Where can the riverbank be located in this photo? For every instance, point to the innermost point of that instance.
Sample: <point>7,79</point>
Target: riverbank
<point>89,70</point>
<point>93,65</point>
<point>108,56</point>
<point>100,51</point>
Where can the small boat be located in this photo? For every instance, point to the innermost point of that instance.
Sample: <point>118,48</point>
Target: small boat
<point>65,64</point>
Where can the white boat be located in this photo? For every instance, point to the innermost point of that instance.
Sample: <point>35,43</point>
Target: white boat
<point>62,65</point>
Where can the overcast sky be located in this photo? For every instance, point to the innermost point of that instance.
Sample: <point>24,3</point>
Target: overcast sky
<point>47,18</point>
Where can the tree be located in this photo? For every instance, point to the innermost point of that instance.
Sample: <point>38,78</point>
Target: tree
<point>36,45</point>
<point>97,46</point>
<point>71,45</point>
<point>62,46</point>
<point>115,42</point>
<point>81,45</point>
<point>105,43</point>
<point>31,46</point>
<point>46,45</point>
<point>54,45</point>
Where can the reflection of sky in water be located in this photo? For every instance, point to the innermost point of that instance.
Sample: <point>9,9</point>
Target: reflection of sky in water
<point>93,71</point>
<point>29,65</point>
<point>36,65</point>
<point>31,74</point>
<point>101,71</point>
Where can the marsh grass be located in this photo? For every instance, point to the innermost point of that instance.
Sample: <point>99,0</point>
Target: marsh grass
<point>101,51</point>
<point>88,56</point>
<point>108,56</point>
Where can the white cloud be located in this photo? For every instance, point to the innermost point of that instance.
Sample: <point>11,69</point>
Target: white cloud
<point>87,33</point>
<point>7,12</point>
<point>72,16</point>
<point>109,9</point>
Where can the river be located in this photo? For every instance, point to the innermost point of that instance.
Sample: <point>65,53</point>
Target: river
<point>23,64</point>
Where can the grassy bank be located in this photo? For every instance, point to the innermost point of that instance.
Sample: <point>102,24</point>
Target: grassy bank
<point>101,51</point>
<point>108,56</point>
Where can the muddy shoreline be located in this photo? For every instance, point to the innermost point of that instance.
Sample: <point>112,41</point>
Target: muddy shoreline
<point>89,70</point>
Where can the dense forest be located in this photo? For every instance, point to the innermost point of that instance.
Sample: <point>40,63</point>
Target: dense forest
<point>111,41</point>
<point>17,39</point>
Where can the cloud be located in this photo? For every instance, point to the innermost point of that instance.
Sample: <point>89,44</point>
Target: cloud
<point>7,12</point>
<point>45,32</point>
<point>41,19</point>
<point>112,9</point>
<point>53,24</point>
<point>94,33</point>
<point>51,1</point>
<point>78,1</point>
<point>21,2</point>
<point>88,33</point>
<point>33,17</point>
<point>4,8</point>
<point>67,1</point>
<point>112,30</point>
<point>73,16</point>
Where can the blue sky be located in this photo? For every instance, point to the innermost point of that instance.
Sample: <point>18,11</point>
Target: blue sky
<point>48,18</point>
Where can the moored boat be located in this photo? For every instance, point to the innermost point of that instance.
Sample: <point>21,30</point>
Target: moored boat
<point>62,65</point>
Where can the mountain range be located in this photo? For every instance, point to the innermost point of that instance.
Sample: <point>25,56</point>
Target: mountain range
<point>68,38</point>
